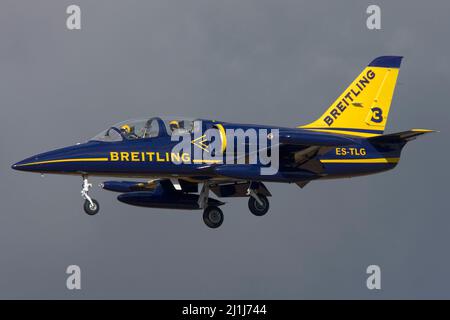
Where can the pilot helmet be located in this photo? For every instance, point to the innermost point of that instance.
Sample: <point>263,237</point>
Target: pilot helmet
<point>174,124</point>
<point>125,128</point>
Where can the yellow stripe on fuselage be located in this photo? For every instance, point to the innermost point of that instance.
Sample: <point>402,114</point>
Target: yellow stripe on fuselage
<point>100,160</point>
<point>368,160</point>
<point>206,161</point>
<point>64,160</point>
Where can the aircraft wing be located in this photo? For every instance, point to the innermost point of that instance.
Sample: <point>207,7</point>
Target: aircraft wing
<point>298,149</point>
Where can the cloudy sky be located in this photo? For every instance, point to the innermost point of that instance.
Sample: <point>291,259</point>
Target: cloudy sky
<point>258,61</point>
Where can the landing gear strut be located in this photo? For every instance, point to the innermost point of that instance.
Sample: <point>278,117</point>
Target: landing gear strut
<point>91,206</point>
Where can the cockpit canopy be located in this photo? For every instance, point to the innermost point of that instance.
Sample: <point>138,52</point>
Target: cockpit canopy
<point>147,128</point>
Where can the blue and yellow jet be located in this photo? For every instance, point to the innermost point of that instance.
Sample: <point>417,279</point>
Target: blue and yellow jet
<point>347,140</point>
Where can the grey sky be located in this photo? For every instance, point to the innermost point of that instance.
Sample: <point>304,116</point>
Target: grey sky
<point>260,61</point>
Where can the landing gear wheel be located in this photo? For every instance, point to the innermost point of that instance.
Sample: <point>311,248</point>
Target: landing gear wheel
<point>213,217</point>
<point>256,208</point>
<point>91,209</point>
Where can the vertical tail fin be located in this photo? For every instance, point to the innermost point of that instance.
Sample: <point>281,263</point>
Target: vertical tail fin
<point>363,108</point>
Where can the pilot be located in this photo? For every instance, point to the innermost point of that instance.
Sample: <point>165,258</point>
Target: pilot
<point>128,131</point>
<point>174,125</point>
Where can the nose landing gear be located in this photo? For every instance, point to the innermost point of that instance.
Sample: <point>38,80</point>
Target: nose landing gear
<point>91,206</point>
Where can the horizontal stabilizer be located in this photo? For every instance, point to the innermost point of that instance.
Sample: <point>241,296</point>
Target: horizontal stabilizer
<point>403,136</point>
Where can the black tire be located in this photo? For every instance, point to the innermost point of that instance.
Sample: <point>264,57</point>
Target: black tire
<point>89,209</point>
<point>256,208</point>
<point>213,217</point>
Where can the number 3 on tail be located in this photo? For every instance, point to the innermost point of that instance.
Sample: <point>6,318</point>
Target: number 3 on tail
<point>377,115</point>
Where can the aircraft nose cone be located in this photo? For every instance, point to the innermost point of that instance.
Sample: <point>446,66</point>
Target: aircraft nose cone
<point>55,160</point>
<point>23,165</point>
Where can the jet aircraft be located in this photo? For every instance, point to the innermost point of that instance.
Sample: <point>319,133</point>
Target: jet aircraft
<point>348,140</point>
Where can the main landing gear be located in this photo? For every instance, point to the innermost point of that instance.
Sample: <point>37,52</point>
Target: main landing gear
<point>258,203</point>
<point>91,206</point>
<point>212,215</point>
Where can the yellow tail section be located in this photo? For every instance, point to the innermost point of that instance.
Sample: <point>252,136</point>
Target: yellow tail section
<point>363,108</point>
